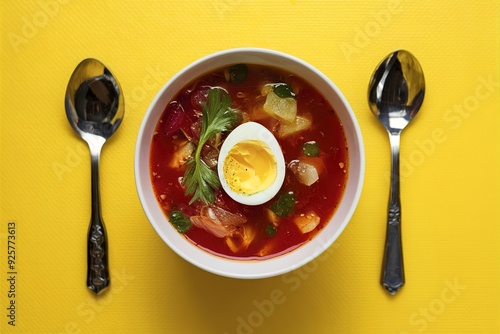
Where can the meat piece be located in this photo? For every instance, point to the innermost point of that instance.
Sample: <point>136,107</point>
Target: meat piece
<point>219,222</point>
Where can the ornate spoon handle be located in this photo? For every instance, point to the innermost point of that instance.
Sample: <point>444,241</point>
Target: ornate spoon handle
<point>97,244</point>
<point>393,277</point>
<point>97,272</point>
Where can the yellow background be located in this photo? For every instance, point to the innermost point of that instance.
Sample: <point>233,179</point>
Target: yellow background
<point>450,169</point>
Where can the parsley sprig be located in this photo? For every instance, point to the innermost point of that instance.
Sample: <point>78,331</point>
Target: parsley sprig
<point>218,116</point>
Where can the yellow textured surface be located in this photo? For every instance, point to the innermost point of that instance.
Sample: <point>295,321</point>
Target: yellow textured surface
<point>450,169</point>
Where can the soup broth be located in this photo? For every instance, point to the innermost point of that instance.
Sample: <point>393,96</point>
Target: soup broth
<point>309,134</point>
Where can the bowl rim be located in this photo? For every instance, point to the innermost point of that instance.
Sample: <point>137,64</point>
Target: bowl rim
<point>248,269</point>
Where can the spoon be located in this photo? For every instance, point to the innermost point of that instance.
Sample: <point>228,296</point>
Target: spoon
<point>95,109</point>
<point>395,94</point>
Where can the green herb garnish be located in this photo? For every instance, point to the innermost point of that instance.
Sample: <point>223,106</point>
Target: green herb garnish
<point>271,230</point>
<point>311,149</point>
<point>181,223</point>
<point>218,116</point>
<point>283,90</point>
<point>284,205</point>
<point>237,73</point>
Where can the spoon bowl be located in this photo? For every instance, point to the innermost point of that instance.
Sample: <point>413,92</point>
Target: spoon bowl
<point>396,90</point>
<point>395,94</point>
<point>94,103</point>
<point>95,108</point>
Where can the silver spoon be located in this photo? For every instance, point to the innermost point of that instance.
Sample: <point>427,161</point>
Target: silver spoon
<point>395,94</point>
<point>95,109</point>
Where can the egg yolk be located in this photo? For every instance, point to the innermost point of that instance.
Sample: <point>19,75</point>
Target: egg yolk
<point>250,167</point>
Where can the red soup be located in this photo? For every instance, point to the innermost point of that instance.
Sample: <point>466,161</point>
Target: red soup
<point>185,151</point>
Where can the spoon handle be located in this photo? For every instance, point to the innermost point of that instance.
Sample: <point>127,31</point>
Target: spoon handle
<point>97,243</point>
<point>393,277</point>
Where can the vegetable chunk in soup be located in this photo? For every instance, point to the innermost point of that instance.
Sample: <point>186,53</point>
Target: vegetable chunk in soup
<point>185,152</point>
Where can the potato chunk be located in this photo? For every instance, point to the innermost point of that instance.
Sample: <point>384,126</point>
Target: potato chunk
<point>183,150</point>
<point>307,222</point>
<point>282,108</point>
<point>300,123</point>
<point>304,172</point>
<point>240,242</point>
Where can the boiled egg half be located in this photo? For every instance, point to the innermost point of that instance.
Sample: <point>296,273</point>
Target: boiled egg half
<point>251,165</point>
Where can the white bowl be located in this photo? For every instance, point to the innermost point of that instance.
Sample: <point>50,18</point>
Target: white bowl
<point>244,268</point>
